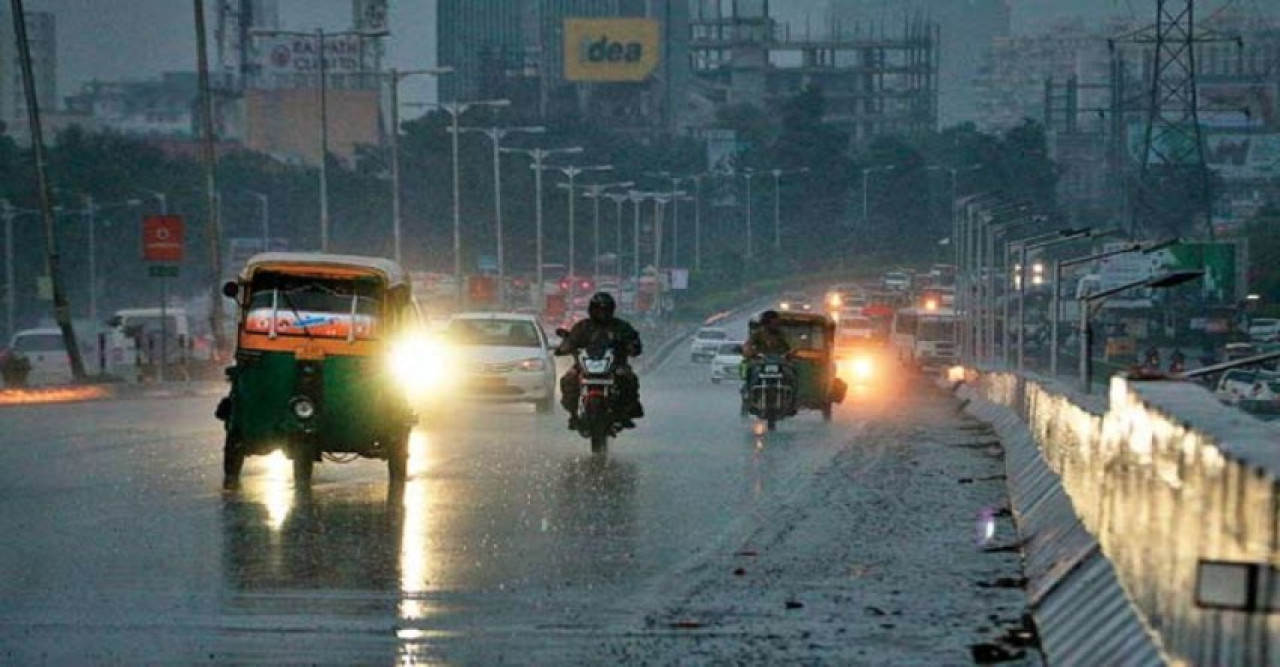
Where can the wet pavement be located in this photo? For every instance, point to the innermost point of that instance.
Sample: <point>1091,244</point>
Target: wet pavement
<point>510,541</point>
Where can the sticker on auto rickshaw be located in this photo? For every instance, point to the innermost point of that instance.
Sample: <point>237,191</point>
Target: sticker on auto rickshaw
<point>325,325</point>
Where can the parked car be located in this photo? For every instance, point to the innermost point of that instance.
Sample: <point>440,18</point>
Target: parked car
<point>727,364</point>
<point>504,357</point>
<point>705,343</point>
<point>45,352</point>
<point>1265,329</point>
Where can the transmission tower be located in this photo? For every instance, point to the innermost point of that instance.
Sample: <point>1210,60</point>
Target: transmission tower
<point>1172,188</point>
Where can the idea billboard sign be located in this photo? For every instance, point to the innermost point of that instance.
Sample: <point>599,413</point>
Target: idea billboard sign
<point>610,49</point>
<point>162,238</point>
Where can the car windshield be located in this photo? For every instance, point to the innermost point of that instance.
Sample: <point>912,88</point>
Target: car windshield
<point>730,349</point>
<point>493,333</point>
<point>937,330</point>
<point>1264,324</point>
<point>50,342</point>
<point>712,334</point>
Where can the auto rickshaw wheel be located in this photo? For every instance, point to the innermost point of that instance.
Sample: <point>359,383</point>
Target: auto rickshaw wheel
<point>398,459</point>
<point>232,459</point>
<point>303,463</point>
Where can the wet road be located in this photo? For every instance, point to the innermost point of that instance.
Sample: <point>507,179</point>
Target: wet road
<point>510,541</point>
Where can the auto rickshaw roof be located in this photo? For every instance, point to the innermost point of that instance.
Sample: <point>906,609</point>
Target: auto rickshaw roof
<point>388,269</point>
<point>791,317</point>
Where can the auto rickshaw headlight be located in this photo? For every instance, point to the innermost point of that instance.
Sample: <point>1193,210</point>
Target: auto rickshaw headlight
<point>303,407</point>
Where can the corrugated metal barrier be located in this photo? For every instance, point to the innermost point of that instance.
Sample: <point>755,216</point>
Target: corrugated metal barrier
<point>1117,505</point>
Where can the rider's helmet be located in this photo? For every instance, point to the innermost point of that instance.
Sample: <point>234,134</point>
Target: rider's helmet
<point>768,318</point>
<point>601,307</point>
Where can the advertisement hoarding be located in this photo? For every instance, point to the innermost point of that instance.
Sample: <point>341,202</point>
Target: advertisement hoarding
<point>1224,264</point>
<point>162,238</point>
<point>610,50</point>
<point>300,54</point>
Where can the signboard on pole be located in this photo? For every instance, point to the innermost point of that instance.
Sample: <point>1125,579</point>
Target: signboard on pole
<point>162,238</point>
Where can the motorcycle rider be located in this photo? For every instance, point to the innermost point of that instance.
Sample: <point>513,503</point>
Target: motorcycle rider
<point>601,326</point>
<point>766,338</point>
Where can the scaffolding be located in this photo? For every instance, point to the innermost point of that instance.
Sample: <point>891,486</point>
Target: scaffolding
<point>875,83</point>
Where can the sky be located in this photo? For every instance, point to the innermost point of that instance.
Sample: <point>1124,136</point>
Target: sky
<point>130,39</point>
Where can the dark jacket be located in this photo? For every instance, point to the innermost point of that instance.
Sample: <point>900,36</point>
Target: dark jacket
<point>616,332</point>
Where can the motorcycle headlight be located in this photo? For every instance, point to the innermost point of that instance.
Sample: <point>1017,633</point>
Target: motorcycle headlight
<point>533,364</point>
<point>303,408</point>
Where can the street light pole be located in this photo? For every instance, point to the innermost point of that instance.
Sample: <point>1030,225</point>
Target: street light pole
<point>324,145</point>
<point>595,191</point>
<point>748,174</point>
<point>617,198</point>
<point>538,155</point>
<point>264,214</point>
<point>777,203</point>
<point>395,76</point>
<point>10,298</point>
<point>496,135</point>
<point>571,172</point>
<point>697,222</point>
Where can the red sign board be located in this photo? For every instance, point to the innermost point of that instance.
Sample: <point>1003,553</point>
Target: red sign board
<point>162,238</point>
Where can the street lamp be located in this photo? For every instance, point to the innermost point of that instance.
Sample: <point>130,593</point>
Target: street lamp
<point>749,174</point>
<point>395,76</point>
<point>90,212</point>
<point>637,198</point>
<point>1090,301</point>
<point>595,191</point>
<point>496,135</point>
<point>1055,308</point>
<point>1024,245</point>
<point>538,155</point>
<point>160,197</point>
<point>455,110</point>
<point>572,172</point>
<point>618,198</point>
<point>322,86</point>
<point>777,202</point>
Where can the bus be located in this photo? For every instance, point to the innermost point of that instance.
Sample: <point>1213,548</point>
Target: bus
<point>925,337</point>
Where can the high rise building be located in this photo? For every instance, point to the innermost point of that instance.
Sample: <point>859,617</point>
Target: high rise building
<point>967,28</point>
<point>42,38</point>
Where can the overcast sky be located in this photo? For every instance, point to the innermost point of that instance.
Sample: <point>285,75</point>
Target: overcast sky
<point>116,39</point>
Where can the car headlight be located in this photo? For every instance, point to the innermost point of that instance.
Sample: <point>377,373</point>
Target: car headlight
<point>784,305</point>
<point>532,364</point>
<point>303,408</point>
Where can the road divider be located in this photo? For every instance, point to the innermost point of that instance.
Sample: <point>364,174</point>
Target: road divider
<point>1120,503</point>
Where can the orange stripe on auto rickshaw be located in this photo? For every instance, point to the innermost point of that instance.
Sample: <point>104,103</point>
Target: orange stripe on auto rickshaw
<point>310,348</point>
<point>315,271</point>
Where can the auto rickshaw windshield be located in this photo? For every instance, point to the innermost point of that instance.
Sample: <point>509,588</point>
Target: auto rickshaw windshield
<point>310,306</point>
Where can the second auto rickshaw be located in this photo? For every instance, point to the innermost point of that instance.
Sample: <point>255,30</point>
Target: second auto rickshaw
<point>312,376</point>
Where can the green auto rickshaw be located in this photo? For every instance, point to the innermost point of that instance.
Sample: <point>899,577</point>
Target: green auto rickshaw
<point>812,337</point>
<point>312,375</point>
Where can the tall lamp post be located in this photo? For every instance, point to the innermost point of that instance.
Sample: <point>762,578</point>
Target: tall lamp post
<point>496,135</point>
<point>90,213</point>
<point>777,202</point>
<point>1023,245</point>
<point>455,110</point>
<point>394,77</point>
<point>637,199</point>
<point>1055,307</point>
<point>595,191</point>
<point>749,174</point>
<point>539,155</point>
<point>1091,301</point>
<point>618,198</point>
<point>572,172</point>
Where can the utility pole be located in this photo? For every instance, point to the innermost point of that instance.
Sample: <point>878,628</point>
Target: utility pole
<point>61,307</point>
<point>595,191</point>
<point>210,159</point>
<point>748,174</point>
<point>571,172</point>
<point>777,203</point>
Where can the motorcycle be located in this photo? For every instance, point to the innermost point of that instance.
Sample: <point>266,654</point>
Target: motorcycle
<point>771,394</point>
<point>597,367</point>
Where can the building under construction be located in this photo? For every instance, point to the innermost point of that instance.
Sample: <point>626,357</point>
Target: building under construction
<point>877,78</point>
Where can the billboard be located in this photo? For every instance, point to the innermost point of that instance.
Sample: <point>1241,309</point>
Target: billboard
<point>300,54</point>
<point>1243,156</point>
<point>162,238</point>
<point>610,50</point>
<point>1238,105</point>
<point>1224,264</point>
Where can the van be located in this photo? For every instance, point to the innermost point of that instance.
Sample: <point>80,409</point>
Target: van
<point>143,328</point>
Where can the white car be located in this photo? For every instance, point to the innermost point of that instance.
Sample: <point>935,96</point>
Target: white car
<point>1264,329</point>
<point>1239,384</point>
<point>727,364</point>
<point>503,357</point>
<point>705,343</point>
<point>47,354</point>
